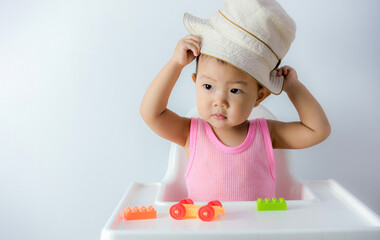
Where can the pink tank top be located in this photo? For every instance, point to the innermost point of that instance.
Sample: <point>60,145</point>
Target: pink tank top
<point>219,172</point>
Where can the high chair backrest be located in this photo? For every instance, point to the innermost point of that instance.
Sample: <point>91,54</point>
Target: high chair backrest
<point>174,179</point>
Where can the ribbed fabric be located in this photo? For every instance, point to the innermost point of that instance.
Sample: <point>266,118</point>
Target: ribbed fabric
<point>219,172</point>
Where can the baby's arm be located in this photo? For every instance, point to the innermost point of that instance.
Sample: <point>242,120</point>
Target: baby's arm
<point>313,126</point>
<point>153,109</point>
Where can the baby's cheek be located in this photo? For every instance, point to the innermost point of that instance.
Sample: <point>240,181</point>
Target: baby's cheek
<point>239,114</point>
<point>245,111</point>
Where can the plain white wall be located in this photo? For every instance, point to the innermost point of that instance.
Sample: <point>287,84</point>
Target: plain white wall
<point>73,73</point>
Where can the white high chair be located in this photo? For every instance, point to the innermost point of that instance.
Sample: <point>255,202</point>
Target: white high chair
<point>315,209</point>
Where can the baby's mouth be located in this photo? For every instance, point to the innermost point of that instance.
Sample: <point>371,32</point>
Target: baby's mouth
<point>219,116</point>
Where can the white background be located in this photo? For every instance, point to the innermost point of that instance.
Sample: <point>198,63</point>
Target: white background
<point>73,73</point>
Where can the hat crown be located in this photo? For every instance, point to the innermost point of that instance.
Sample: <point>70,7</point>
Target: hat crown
<point>265,19</point>
<point>252,35</point>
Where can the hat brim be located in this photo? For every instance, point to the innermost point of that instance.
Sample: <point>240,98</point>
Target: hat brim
<point>215,44</point>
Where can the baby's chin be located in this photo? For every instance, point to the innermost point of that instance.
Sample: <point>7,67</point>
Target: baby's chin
<point>229,124</point>
<point>220,124</point>
<point>224,123</point>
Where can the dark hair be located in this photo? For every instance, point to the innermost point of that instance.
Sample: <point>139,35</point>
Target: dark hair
<point>197,60</point>
<point>221,61</point>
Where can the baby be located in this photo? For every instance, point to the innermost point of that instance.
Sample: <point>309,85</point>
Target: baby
<point>238,52</point>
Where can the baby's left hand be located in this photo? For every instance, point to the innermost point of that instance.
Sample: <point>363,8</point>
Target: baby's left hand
<point>290,75</point>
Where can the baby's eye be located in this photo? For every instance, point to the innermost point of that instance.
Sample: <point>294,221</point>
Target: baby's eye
<point>208,86</point>
<point>236,91</point>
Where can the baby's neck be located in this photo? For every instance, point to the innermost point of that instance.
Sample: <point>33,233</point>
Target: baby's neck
<point>234,136</point>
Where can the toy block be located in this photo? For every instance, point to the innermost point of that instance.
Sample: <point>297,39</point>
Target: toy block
<point>138,214</point>
<point>271,205</point>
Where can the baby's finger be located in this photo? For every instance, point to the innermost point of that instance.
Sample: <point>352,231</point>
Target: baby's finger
<point>192,47</point>
<point>197,44</point>
<point>193,37</point>
<point>287,69</point>
<point>279,72</point>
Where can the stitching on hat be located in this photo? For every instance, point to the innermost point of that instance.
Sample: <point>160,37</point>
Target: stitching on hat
<point>279,60</point>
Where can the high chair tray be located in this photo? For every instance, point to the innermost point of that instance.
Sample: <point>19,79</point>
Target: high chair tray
<point>330,212</point>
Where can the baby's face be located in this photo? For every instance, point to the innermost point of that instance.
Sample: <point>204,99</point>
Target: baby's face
<point>225,94</point>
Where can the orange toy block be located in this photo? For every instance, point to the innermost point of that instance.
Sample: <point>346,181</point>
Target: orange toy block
<point>138,214</point>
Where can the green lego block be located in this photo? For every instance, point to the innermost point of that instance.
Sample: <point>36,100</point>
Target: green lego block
<point>268,205</point>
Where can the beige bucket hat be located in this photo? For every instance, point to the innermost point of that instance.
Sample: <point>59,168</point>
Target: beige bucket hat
<point>252,35</point>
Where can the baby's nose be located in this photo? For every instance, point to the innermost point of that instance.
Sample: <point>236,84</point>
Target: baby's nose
<point>220,100</point>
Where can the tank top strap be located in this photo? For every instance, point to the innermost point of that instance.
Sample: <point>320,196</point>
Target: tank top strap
<point>194,122</point>
<point>268,145</point>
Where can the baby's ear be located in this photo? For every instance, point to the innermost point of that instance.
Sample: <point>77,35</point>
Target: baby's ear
<point>194,76</point>
<point>263,93</point>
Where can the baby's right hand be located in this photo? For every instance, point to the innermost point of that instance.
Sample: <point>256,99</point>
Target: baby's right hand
<point>187,49</point>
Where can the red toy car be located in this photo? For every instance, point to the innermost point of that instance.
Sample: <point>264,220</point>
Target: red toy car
<point>186,209</point>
